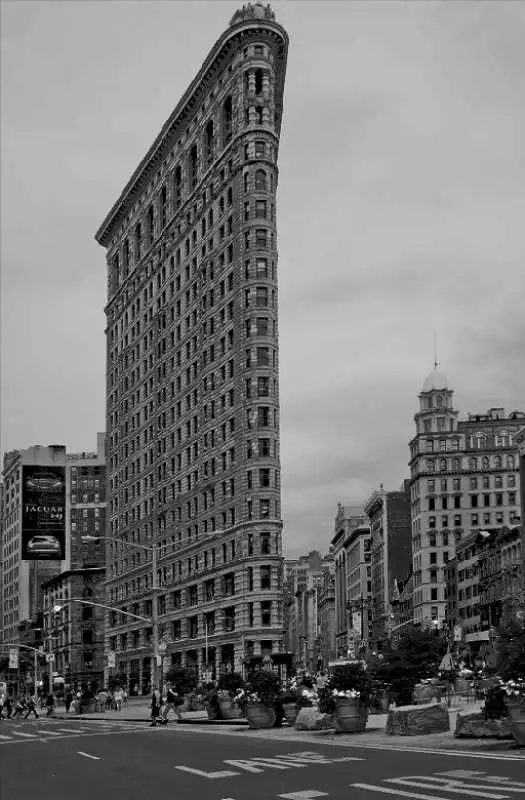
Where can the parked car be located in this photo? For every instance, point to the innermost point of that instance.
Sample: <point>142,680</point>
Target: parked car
<point>44,482</point>
<point>43,544</point>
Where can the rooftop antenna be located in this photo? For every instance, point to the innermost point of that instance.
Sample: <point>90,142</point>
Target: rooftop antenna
<point>436,362</point>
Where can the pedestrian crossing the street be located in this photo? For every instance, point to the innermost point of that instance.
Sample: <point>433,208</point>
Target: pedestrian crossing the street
<point>44,729</point>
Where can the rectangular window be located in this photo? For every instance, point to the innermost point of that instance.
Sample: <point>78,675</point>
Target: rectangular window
<point>266,613</point>
<point>261,296</point>
<point>261,209</point>
<point>263,356</point>
<point>266,577</point>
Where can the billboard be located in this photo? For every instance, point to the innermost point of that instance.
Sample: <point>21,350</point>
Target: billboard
<point>43,513</point>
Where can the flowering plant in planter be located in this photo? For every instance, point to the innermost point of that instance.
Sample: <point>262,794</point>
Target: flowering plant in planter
<point>514,689</point>
<point>262,687</point>
<point>230,682</point>
<point>347,683</point>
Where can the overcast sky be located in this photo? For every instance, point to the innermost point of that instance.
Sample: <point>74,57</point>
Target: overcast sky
<point>400,212</point>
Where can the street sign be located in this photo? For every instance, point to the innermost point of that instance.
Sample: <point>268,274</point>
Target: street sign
<point>159,661</point>
<point>458,633</point>
<point>111,659</point>
<point>13,658</point>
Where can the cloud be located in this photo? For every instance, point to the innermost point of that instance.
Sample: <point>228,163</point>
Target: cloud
<point>400,202</point>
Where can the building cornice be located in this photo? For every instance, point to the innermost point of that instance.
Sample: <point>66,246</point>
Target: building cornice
<point>187,105</point>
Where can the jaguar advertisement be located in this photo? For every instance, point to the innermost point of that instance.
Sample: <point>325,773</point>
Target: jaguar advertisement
<point>43,513</point>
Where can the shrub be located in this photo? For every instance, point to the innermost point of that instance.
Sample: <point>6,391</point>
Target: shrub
<point>230,682</point>
<point>350,680</point>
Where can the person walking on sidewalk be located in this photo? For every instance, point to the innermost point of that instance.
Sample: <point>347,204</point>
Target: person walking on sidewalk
<point>119,696</point>
<point>7,706</point>
<point>19,707</point>
<point>156,702</point>
<point>50,704</point>
<point>173,701</point>
<point>68,699</point>
<point>31,707</point>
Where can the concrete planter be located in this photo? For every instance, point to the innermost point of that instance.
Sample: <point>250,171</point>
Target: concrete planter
<point>516,710</point>
<point>260,715</point>
<point>350,716</point>
<point>228,709</point>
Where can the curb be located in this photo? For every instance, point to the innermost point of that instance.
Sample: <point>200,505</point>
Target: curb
<point>86,717</point>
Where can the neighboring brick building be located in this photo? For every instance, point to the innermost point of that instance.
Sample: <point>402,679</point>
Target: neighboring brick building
<point>75,634</point>
<point>326,607</point>
<point>303,635</point>
<point>86,506</point>
<point>22,580</point>
<point>348,519</point>
<point>464,476</point>
<point>192,365</point>
<point>391,547</point>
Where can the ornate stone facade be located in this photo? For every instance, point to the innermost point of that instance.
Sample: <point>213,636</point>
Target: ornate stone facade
<point>464,477</point>
<point>192,365</point>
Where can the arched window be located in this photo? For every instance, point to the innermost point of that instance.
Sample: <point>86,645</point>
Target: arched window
<point>502,439</point>
<point>150,218</point>
<point>259,115</point>
<point>163,206</point>
<point>473,464</point>
<point>456,464</point>
<point>177,186</point>
<point>511,462</point>
<point>246,181</point>
<point>138,241</point>
<point>497,462</point>
<point>227,120</point>
<point>208,143</point>
<point>439,401</point>
<point>193,167</point>
<point>430,402</point>
<point>260,180</point>
<point>430,465</point>
<point>485,463</point>
<point>258,81</point>
<point>442,463</point>
<point>127,258</point>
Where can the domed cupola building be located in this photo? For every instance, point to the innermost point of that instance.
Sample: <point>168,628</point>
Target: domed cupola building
<point>463,477</point>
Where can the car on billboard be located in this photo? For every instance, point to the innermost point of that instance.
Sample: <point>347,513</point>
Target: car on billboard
<point>44,482</point>
<point>43,544</point>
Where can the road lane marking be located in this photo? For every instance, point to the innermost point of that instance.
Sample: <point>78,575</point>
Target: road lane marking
<point>69,730</point>
<point>25,735</point>
<point>48,733</point>
<point>454,787</point>
<point>87,755</point>
<point>5,737</point>
<point>397,792</point>
<point>276,763</point>
<point>247,765</point>
<point>508,784</point>
<point>225,773</point>
<point>307,794</point>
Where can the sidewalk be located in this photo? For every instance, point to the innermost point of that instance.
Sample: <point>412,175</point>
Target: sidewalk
<point>138,710</point>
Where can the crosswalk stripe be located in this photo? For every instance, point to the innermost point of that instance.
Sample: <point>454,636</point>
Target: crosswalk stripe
<point>71,730</point>
<point>397,792</point>
<point>48,733</point>
<point>25,735</point>
<point>5,737</point>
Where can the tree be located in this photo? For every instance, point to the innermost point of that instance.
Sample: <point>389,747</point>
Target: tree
<point>510,645</point>
<point>416,657</point>
<point>185,680</point>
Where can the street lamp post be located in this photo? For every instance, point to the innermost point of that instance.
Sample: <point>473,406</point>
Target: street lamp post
<point>154,589</point>
<point>57,608</point>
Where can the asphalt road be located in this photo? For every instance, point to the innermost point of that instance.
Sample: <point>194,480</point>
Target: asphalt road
<point>108,761</point>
